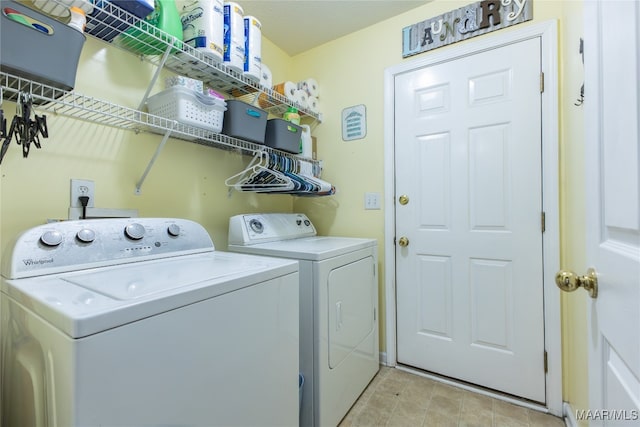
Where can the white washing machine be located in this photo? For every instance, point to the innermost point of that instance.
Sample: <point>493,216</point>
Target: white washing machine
<point>142,322</point>
<point>339,352</point>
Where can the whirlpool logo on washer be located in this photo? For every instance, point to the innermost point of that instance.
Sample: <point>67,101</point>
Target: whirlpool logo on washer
<point>31,262</point>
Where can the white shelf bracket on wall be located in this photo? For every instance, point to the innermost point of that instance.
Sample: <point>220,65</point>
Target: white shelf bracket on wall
<point>159,67</point>
<point>165,138</point>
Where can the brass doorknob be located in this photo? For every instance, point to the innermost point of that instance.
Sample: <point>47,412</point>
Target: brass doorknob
<point>403,241</point>
<point>404,199</point>
<point>569,281</point>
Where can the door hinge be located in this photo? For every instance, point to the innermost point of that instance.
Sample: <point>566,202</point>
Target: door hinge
<point>546,362</point>
<point>541,82</point>
<point>543,221</point>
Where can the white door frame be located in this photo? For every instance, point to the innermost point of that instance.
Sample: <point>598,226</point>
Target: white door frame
<point>548,33</point>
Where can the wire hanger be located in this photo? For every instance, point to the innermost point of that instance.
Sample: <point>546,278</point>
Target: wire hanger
<point>257,176</point>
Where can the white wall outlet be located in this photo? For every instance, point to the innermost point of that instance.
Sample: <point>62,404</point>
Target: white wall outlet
<point>82,187</point>
<point>372,200</point>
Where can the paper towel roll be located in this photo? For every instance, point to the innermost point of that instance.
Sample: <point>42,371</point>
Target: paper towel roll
<point>266,78</point>
<point>234,36</point>
<point>312,103</point>
<point>202,27</point>
<point>252,48</point>
<point>288,89</point>
<point>300,97</point>
<point>310,86</point>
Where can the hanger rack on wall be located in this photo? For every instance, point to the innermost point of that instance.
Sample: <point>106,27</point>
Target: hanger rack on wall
<point>274,173</point>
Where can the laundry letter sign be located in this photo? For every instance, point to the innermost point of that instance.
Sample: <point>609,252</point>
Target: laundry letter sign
<point>461,24</point>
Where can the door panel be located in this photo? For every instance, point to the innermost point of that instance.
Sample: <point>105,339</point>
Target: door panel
<point>612,133</point>
<point>469,284</point>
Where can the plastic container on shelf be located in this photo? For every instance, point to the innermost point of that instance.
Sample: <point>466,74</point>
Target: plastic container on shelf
<point>245,121</point>
<point>283,135</point>
<point>37,47</point>
<point>189,107</point>
<point>146,40</point>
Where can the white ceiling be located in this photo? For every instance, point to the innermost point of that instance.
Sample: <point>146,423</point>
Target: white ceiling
<point>299,25</point>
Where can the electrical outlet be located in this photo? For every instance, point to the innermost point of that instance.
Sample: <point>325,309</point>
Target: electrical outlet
<point>372,200</point>
<point>82,187</point>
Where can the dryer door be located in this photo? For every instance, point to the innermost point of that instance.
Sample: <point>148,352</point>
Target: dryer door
<point>351,308</point>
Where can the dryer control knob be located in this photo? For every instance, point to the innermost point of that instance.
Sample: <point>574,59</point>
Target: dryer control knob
<point>86,235</point>
<point>173,230</point>
<point>134,231</point>
<point>51,238</point>
<point>256,226</point>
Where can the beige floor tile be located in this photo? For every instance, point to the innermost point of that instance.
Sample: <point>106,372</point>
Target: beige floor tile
<point>396,398</point>
<point>407,414</point>
<point>440,419</point>
<point>445,405</point>
<point>510,410</point>
<point>540,419</point>
<point>502,421</point>
<point>483,418</point>
<point>477,402</point>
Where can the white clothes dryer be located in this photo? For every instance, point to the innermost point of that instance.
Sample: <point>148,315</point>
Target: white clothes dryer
<point>339,352</point>
<point>142,322</point>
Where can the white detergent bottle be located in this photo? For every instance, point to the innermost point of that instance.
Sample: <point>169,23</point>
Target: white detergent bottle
<point>306,141</point>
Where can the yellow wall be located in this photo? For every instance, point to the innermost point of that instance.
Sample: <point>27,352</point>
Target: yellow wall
<point>350,71</point>
<point>188,179</point>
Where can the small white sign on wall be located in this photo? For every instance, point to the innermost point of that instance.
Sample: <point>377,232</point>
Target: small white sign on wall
<point>354,122</point>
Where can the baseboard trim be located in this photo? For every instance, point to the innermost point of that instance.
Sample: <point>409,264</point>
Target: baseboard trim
<point>569,415</point>
<point>383,358</point>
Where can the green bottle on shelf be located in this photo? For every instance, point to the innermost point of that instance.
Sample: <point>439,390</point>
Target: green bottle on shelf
<point>165,18</point>
<point>292,115</point>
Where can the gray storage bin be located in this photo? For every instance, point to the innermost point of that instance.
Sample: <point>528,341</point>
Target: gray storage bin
<point>244,121</point>
<point>283,135</point>
<point>46,53</point>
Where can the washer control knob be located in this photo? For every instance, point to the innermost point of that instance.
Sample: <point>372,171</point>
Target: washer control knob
<point>307,222</point>
<point>134,231</point>
<point>86,235</point>
<point>173,230</point>
<point>51,238</point>
<point>256,226</point>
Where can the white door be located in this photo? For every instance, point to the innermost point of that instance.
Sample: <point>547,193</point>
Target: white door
<point>612,72</point>
<point>469,276</point>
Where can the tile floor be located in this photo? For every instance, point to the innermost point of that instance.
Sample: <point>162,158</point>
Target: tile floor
<point>397,398</point>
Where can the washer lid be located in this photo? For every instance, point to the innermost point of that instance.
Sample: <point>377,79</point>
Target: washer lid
<point>135,281</point>
<point>308,248</point>
<point>91,301</point>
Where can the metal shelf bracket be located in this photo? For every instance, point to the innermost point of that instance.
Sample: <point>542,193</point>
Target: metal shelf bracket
<point>165,138</point>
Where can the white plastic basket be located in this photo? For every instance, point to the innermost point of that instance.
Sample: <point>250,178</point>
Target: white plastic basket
<point>188,107</point>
